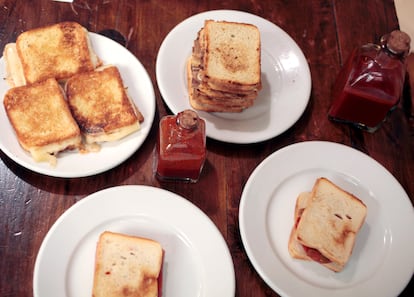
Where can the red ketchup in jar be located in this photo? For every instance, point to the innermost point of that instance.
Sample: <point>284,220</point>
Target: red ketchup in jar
<point>181,147</point>
<point>370,84</point>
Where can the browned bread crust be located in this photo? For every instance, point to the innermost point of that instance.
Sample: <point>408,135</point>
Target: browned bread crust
<point>60,51</point>
<point>233,55</point>
<point>100,103</point>
<point>41,117</point>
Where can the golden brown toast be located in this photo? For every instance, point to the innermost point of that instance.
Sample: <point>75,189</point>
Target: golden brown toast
<point>42,119</point>
<point>232,60</point>
<point>127,266</point>
<point>101,106</point>
<point>58,51</point>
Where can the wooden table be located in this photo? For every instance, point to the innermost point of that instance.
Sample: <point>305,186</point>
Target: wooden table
<point>326,31</point>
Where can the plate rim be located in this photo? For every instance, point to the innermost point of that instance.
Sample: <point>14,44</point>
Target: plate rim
<point>97,41</point>
<point>239,137</point>
<point>273,284</point>
<point>152,193</point>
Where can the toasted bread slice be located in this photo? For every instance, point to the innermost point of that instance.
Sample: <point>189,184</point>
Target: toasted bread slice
<point>330,222</point>
<point>232,59</point>
<point>101,106</point>
<point>127,266</point>
<point>214,101</point>
<point>41,119</point>
<point>56,51</point>
<point>296,249</point>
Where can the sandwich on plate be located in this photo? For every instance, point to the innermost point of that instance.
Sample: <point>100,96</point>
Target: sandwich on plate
<point>41,119</point>
<point>56,51</point>
<point>101,105</point>
<point>327,222</point>
<point>127,266</point>
<point>224,70</point>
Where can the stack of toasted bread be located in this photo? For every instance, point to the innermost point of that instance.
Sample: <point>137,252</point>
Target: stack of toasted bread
<point>61,93</point>
<point>326,223</point>
<point>224,70</point>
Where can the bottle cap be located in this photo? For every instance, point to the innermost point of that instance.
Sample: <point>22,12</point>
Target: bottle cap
<point>187,119</point>
<point>397,42</point>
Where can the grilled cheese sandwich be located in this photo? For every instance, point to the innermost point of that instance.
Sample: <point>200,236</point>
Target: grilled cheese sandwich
<point>41,119</point>
<point>57,51</point>
<point>101,105</point>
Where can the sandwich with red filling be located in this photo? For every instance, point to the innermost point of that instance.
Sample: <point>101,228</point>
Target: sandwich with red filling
<point>127,265</point>
<point>327,221</point>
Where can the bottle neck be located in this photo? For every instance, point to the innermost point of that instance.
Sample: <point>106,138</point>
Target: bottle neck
<point>395,55</point>
<point>396,44</point>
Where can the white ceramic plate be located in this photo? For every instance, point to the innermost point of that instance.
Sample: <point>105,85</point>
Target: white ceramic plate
<point>73,164</point>
<point>197,261</point>
<point>382,262</point>
<point>285,76</point>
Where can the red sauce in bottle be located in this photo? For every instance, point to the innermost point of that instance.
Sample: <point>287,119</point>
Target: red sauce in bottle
<point>181,147</point>
<point>371,82</point>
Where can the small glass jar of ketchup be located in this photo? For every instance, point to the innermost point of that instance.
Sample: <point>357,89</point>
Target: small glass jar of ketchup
<point>371,82</point>
<point>181,147</point>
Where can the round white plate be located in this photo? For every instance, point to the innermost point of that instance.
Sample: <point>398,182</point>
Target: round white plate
<point>197,261</point>
<point>286,80</point>
<point>74,164</point>
<point>382,262</point>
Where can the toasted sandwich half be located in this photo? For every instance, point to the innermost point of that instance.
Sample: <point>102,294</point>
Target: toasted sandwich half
<point>56,51</point>
<point>42,119</point>
<point>327,221</point>
<point>101,105</point>
<point>127,266</point>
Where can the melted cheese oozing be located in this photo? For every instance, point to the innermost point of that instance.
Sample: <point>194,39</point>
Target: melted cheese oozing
<point>116,135</point>
<point>94,58</point>
<point>48,153</point>
<point>40,155</point>
<point>14,69</point>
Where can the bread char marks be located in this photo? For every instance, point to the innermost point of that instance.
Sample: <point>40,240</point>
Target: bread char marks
<point>333,218</point>
<point>57,51</point>
<point>100,103</point>
<point>127,266</point>
<point>229,50</point>
<point>338,222</point>
<point>326,223</point>
<point>92,115</point>
<point>231,56</point>
<point>41,119</point>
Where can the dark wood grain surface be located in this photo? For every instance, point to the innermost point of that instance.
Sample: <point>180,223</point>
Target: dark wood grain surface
<point>325,30</point>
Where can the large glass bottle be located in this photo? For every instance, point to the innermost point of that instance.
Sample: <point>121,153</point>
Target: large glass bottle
<point>181,147</point>
<point>370,84</point>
